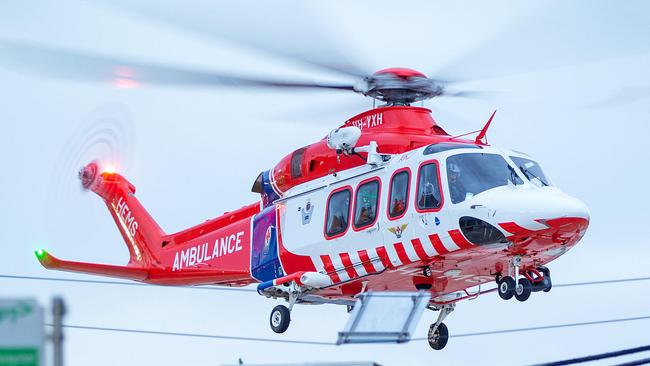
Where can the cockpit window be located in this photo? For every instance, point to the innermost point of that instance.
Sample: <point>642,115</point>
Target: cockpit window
<point>429,196</point>
<point>470,174</point>
<point>531,170</point>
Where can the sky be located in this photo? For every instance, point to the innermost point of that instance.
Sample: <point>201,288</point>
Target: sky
<point>570,82</point>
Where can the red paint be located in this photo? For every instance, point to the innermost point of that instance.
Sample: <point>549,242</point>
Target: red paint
<point>383,256</point>
<point>460,239</point>
<point>401,253</point>
<point>419,249</point>
<point>437,244</point>
<point>402,129</point>
<point>291,262</point>
<point>329,268</point>
<point>365,260</point>
<point>401,72</point>
<point>347,264</point>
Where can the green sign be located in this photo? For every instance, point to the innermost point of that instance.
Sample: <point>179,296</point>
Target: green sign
<point>21,333</point>
<point>19,357</point>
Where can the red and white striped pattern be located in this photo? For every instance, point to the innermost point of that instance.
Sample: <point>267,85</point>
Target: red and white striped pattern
<point>342,267</point>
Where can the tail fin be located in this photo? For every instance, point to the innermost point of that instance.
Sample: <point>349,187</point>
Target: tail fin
<point>141,233</point>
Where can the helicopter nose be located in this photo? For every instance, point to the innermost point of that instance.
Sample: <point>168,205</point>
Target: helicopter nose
<point>518,210</point>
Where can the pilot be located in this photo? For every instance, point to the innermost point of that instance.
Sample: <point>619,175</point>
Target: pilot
<point>398,207</point>
<point>428,198</point>
<point>456,188</point>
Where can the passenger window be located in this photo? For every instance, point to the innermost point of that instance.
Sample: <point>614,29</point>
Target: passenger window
<point>428,192</point>
<point>399,193</point>
<point>365,204</point>
<point>338,212</point>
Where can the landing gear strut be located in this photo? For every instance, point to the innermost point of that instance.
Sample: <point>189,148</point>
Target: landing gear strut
<point>281,315</point>
<point>438,333</point>
<point>533,280</point>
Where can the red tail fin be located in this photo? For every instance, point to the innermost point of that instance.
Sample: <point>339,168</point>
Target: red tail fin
<point>141,233</point>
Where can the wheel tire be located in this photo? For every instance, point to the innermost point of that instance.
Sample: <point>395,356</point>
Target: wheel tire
<point>506,287</point>
<point>280,319</point>
<point>547,278</point>
<point>438,339</point>
<point>426,271</point>
<point>523,290</point>
<point>549,287</point>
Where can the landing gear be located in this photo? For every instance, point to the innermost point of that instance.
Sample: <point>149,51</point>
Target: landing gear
<point>280,318</point>
<point>523,289</point>
<point>506,287</point>
<point>438,336</point>
<point>533,280</point>
<point>281,315</point>
<point>438,333</point>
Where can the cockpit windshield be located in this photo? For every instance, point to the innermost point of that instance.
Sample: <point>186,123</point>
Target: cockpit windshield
<point>472,173</point>
<point>531,170</point>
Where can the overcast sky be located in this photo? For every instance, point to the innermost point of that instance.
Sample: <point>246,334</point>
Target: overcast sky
<point>572,87</point>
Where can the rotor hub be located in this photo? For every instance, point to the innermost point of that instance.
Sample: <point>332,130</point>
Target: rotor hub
<point>399,86</point>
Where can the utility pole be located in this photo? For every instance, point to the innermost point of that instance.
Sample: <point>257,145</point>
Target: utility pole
<point>58,311</point>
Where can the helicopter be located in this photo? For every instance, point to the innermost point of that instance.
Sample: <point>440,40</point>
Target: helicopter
<point>387,201</point>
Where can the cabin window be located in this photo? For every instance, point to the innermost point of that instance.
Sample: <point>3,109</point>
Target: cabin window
<point>365,204</point>
<point>296,163</point>
<point>429,196</point>
<point>399,193</point>
<point>338,212</point>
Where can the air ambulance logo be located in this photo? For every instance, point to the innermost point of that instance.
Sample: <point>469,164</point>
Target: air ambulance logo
<point>398,230</point>
<point>267,240</point>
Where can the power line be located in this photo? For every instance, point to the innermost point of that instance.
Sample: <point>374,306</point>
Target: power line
<point>644,361</point>
<point>600,356</point>
<point>123,283</point>
<point>528,329</point>
<point>321,343</point>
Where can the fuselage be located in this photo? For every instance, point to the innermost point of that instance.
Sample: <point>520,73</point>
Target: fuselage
<point>463,209</point>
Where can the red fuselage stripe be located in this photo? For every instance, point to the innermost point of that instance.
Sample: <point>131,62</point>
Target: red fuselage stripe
<point>437,244</point>
<point>401,253</point>
<point>383,255</point>
<point>419,250</point>
<point>365,260</point>
<point>347,263</point>
<point>329,267</point>
<point>460,239</point>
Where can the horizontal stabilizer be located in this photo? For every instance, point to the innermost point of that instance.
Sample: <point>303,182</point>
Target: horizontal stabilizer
<point>130,273</point>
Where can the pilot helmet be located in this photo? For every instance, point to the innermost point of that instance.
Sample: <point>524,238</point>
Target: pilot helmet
<point>454,168</point>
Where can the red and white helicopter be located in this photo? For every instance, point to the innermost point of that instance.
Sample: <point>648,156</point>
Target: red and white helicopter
<point>387,202</point>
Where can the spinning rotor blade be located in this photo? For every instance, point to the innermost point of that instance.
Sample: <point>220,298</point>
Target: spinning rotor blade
<point>121,73</point>
<point>577,32</point>
<point>263,26</point>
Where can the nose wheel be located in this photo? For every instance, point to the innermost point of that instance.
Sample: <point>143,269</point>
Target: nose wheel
<point>521,287</point>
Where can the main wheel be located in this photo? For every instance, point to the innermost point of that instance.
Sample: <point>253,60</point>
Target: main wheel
<point>280,318</point>
<point>506,287</point>
<point>523,290</point>
<point>438,338</point>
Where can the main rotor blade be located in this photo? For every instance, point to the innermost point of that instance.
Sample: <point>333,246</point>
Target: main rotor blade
<point>73,65</point>
<point>564,33</point>
<point>265,26</point>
